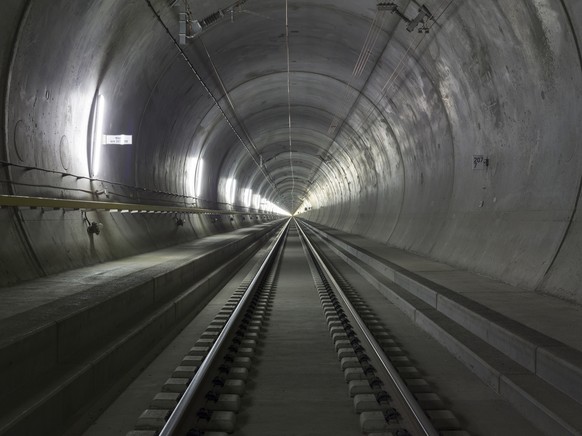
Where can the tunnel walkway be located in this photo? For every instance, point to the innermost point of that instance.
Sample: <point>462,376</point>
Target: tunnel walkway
<point>508,342</point>
<point>530,308</point>
<point>87,324</point>
<point>31,294</point>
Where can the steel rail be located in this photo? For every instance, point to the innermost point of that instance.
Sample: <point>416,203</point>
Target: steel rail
<point>182,408</point>
<point>59,203</point>
<point>421,419</point>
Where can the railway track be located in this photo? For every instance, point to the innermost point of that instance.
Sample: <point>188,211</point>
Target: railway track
<point>295,350</point>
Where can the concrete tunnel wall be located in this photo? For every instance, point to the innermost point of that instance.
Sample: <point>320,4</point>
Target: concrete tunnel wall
<point>501,79</point>
<point>56,57</point>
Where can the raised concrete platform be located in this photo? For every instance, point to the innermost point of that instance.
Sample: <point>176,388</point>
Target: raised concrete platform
<point>66,339</point>
<point>522,343</point>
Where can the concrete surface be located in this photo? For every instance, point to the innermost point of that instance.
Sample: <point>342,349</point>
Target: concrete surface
<point>118,273</point>
<point>502,80</point>
<point>537,373</point>
<point>61,358</point>
<point>374,136</point>
<point>120,417</point>
<point>296,385</point>
<point>527,308</point>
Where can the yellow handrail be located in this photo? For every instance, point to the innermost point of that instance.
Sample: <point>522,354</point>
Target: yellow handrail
<point>58,203</point>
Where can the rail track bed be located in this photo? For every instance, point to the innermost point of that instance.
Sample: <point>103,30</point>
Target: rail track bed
<point>297,350</point>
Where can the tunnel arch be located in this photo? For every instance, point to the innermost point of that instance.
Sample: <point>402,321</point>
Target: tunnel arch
<point>501,80</point>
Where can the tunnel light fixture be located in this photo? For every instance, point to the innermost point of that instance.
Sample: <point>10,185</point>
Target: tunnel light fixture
<point>256,201</point>
<point>281,211</point>
<point>199,174</point>
<point>230,190</point>
<point>270,207</point>
<point>247,197</point>
<point>191,164</point>
<point>194,174</point>
<point>97,135</point>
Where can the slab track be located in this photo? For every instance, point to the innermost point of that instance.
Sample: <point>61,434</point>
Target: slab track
<point>296,350</point>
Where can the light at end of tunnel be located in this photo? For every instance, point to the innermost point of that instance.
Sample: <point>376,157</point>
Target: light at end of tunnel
<point>269,207</point>
<point>97,134</point>
<point>280,211</point>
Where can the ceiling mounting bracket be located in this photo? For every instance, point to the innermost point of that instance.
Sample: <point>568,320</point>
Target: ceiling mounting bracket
<point>421,20</point>
<point>191,28</point>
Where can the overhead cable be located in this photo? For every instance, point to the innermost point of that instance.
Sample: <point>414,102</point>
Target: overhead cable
<point>210,94</point>
<point>289,103</point>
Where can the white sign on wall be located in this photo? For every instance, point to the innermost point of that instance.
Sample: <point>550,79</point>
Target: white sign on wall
<point>118,139</point>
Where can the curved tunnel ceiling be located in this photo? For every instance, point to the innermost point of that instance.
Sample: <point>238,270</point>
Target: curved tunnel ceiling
<point>243,60</point>
<point>331,108</point>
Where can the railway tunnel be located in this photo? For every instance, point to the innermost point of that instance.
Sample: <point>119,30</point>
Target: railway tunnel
<point>424,158</point>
